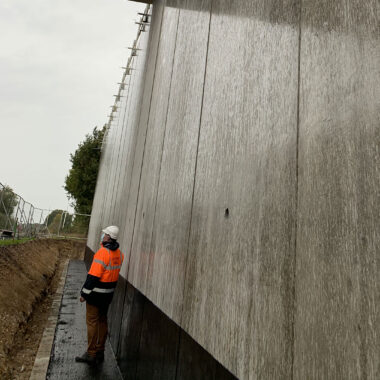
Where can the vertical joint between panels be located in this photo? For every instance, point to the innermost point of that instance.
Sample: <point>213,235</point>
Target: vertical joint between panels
<point>140,338</point>
<point>122,141</point>
<point>294,295</point>
<point>178,352</point>
<point>121,318</point>
<point>196,162</point>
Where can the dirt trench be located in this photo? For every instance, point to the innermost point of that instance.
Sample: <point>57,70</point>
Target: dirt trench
<point>29,276</point>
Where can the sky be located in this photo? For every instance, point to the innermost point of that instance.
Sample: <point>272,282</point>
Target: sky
<point>60,62</point>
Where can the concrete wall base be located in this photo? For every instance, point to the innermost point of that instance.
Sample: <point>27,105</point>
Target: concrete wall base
<point>149,345</point>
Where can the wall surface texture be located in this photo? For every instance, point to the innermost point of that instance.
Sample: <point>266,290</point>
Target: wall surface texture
<point>244,172</point>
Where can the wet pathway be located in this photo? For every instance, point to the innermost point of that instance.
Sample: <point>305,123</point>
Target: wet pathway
<point>71,336</point>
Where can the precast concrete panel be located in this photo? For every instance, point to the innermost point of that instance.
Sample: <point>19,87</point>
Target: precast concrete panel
<point>115,147</point>
<point>133,183</point>
<point>116,314</point>
<point>126,116</point>
<point>337,321</point>
<point>120,209</point>
<point>114,168</point>
<point>109,156</point>
<point>107,164</point>
<point>109,192</point>
<point>194,362</point>
<point>108,195</point>
<point>130,334</point>
<point>128,140</point>
<point>140,253</point>
<point>158,347</point>
<point>96,221</point>
<point>128,143</point>
<point>239,282</point>
<point>97,208</point>
<point>168,250</point>
<point>92,238</point>
<point>135,98</point>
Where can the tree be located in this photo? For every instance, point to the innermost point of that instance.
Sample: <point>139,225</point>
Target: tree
<point>50,218</point>
<point>8,202</point>
<point>64,223</point>
<point>55,224</point>
<point>81,180</point>
<point>67,222</point>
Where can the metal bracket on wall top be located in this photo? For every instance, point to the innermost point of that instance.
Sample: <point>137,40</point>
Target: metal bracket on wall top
<point>141,1</point>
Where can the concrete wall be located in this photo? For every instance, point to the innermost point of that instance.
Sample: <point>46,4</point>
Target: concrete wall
<point>244,173</point>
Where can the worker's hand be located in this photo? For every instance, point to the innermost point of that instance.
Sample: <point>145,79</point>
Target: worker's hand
<point>81,299</point>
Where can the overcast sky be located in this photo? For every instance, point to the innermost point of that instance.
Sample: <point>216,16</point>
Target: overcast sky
<point>59,67</point>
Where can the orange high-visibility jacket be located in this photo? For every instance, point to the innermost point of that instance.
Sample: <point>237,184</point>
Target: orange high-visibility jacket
<point>106,264</point>
<point>103,275</point>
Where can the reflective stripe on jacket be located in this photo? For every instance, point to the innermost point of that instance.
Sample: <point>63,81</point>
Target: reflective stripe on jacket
<point>102,277</point>
<point>107,264</point>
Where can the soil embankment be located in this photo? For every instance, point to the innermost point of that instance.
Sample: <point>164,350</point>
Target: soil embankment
<point>29,275</point>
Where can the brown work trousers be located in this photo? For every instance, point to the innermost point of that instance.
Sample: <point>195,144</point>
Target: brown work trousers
<point>96,319</point>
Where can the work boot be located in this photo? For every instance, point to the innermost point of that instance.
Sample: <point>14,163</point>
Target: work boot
<point>100,357</point>
<point>86,358</point>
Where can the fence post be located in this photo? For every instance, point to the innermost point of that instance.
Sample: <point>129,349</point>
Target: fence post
<point>27,223</point>
<point>39,223</point>
<point>46,222</point>
<point>22,213</point>
<point>15,224</point>
<point>64,220</point>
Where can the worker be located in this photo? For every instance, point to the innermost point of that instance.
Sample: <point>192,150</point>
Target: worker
<point>98,291</point>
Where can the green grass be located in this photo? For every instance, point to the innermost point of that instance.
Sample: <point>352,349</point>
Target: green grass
<point>14,242</point>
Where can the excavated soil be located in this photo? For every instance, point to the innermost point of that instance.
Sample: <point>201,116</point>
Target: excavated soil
<point>29,276</point>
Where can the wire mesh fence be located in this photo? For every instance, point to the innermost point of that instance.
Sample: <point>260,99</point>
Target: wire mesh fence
<point>20,219</point>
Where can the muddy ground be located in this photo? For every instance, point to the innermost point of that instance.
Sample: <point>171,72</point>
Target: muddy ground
<point>29,276</point>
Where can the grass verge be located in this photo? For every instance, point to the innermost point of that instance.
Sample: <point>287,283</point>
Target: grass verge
<point>14,241</point>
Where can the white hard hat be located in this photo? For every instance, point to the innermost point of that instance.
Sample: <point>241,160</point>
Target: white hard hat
<point>112,231</point>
